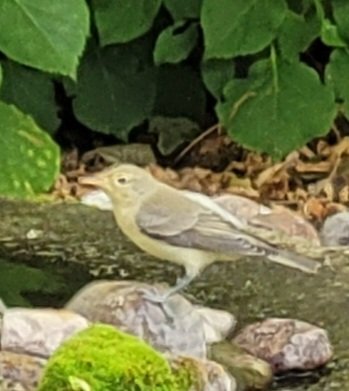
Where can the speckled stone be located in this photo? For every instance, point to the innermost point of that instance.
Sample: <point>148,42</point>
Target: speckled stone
<point>38,331</point>
<point>250,372</point>
<point>211,375</point>
<point>276,218</point>
<point>217,323</point>
<point>20,372</point>
<point>173,326</point>
<point>335,231</point>
<point>286,344</point>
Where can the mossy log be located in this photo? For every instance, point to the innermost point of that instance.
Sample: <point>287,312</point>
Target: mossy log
<point>71,233</point>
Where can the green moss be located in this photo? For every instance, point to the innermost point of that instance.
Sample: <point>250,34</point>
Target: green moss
<point>104,358</point>
<point>187,373</point>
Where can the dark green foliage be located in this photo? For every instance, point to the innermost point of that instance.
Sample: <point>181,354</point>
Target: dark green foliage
<point>18,280</point>
<point>164,58</point>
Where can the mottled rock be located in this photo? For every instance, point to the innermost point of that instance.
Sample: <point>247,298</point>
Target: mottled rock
<point>241,207</point>
<point>210,375</point>
<point>173,326</point>
<point>38,331</point>
<point>335,231</point>
<point>276,218</point>
<point>20,372</point>
<point>217,323</point>
<point>250,372</point>
<point>286,344</point>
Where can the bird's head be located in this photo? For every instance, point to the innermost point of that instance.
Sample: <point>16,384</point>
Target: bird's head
<point>122,183</point>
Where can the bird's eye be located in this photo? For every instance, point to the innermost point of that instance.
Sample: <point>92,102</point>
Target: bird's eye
<point>122,180</point>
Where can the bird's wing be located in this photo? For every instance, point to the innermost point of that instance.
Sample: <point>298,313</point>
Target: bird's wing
<point>196,226</point>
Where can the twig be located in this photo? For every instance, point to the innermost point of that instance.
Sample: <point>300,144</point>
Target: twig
<point>196,141</point>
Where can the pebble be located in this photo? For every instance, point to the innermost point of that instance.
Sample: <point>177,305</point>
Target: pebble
<point>249,371</point>
<point>97,199</point>
<point>286,344</point>
<point>211,375</point>
<point>20,372</point>
<point>38,331</point>
<point>218,324</point>
<point>335,231</point>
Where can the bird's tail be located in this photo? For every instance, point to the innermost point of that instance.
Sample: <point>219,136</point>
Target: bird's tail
<point>295,261</point>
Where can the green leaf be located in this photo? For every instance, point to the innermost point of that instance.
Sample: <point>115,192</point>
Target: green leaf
<point>337,74</point>
<point>296,34</point>
<point>172,132</point>
<point>120,21</point>
<point>183,9</point>
<point>29,159</point>
<point>216,74</point>
<point>341,16</point>
<point>45,34</point>
<point>116,87</point>
<point>330,35</point>
<point>32,92</point>
<point>175,43</point>
<point>16,280</point>
<point>179,93</point>
<point>278,108</point>
<point>299,6</point>
<point>240,27</point>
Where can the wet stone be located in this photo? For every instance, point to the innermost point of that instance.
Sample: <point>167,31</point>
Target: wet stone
<point>38,331</point>
<point>250,372</point>
<point>217,323</point>
<point>286,344</point>
<point>335,231</point>
<point>173,326</point>
<point>19,372</point>
<point>211,375</point>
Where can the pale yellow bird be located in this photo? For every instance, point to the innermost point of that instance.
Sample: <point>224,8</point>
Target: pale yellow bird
<point>184,227</point>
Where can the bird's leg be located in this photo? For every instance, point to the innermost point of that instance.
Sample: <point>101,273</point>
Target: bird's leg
<point>180,284</point>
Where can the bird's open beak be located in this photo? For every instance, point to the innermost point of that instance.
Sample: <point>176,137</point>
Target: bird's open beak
<point>93,180</point>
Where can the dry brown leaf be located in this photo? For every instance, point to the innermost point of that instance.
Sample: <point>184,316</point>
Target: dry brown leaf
<point>307,153</point>
<point>323,149</point>
<point>256,163</point>
<point>268,174</point>
<point>341,148</point>
<point>236,166</point>
<point>235,181</point>
<point>343,195</point>
<point>299,195</point>
<point>244,192</point>
<point>314,208</point>
<point>323,167</point>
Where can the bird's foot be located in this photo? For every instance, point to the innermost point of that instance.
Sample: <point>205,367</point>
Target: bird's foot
<point>154,297</point>
<point>161,299</point>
